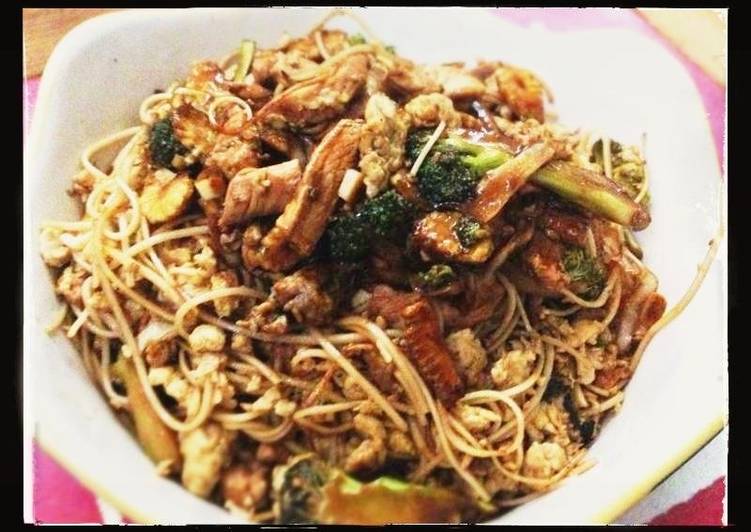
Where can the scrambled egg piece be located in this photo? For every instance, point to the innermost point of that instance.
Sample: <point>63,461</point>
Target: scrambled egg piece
<point>400,445</point>
<point>204,451</point>
<point>370,454</point>
<point>224,306</point>
<point>584,331</point>
<point>69,284</point>
<point>207,339</point>
<point>54,252</point>
<point>382,142</point>
<point>513,367</point>
<point>476,419</point>
<point>470,354</point>
<point>543,460</point>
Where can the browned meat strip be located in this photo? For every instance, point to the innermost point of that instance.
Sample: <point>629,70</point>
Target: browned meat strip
<point>388,303</point>
<point>426,349</point>
<point>542,258</point>
<point>193,129</point>
<point>422,339</point>
<point>520,90</point>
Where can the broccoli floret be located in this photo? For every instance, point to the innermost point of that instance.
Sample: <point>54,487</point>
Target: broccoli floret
<point>469,231</point>
<point>584,271</point>
<point>388,215</point>
<point>163,144</point>
<point>450,173</point>
<point>445,182</point>
<point>390,49</point>
<point>415,142</point>
<point>357,38</point>
<point>435,278</point>
<point>301,491</point>
<point>348,238</point>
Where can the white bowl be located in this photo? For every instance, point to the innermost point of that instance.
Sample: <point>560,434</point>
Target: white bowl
<point>610,80</point>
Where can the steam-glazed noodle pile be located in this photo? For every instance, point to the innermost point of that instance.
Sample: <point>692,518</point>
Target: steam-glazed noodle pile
<point>325,248</point>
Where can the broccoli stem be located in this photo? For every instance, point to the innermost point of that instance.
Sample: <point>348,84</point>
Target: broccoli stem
<point>586,188</point>
<point>591,191</point>
<point>578,185</point>
<point>486,160</point>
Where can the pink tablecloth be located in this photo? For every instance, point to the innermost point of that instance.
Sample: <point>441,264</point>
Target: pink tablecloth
<point>60,498</point>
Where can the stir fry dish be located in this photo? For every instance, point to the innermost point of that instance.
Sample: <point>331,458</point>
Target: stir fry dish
<point>323,283</point>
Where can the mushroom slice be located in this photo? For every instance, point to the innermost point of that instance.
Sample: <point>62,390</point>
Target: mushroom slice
<point>162,202</point>
<point>452,236</point>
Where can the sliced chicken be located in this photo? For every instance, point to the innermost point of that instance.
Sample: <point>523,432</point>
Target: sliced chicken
<point>457,83</point>
<point>300,226</point>
<point>229,153</point>
<point>259,192</point>
<point>312,104</point>
<point>406,80</point>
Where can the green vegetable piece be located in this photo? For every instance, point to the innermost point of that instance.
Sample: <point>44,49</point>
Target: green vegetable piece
<point>348,238</point>
<point>436,277</point>
<point>315,493</point>
<point>247,53</point>
<point>158,441</point>
<point>445,182</point>
<point>453,168</point>
<point>450,173</point>
<point>163,144</point>
<point>469,231</point>
<point>388,215</point>
<point>357,38</point>
<point>583,271</point>
<point>592,191</point>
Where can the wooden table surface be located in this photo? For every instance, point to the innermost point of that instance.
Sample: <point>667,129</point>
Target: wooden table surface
<point>699,33</point>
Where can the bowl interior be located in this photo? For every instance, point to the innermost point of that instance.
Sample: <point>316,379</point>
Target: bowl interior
<point>612,81</point>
